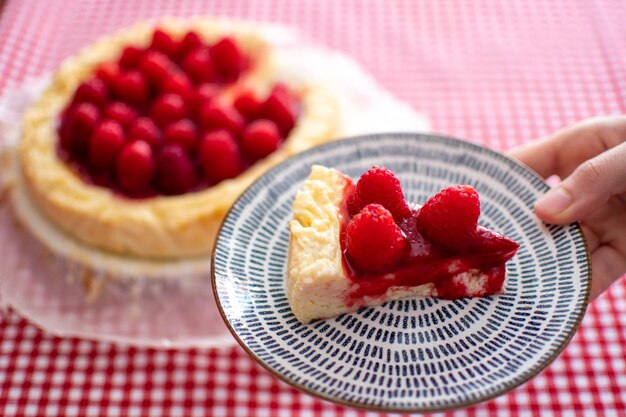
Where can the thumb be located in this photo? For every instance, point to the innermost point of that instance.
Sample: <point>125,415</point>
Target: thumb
<point>588,188</point>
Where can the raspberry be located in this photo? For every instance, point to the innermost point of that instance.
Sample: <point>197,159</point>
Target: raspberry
<point>190,41</point>
<point>248,104</point>
<point>228,59</point>
<point>204,93</point>
<point>214,116</point>
<point>135,167</point>
<point>374,242</point>
<point>155,66</point>
<point>167,109</point>
<point>381,186</point>
<point>199,66</point>
<point>449,218</point>
<point>130,58</point>
<point>80,122</point>
<point>105,144</point>
<point>220,156</point>
<point>108,72</point>
<point>183,133</point>
<point>260,139</point>
<point>122,113</point>
<point>178,83</point>
<point>92,91</point>
<point>163,42</point>
<point>146,130</point>
<point>280,108</point>
<point>175,171</point>
<point>132,87</point>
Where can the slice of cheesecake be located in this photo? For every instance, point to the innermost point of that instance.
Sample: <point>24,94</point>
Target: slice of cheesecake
<point>357,245</point>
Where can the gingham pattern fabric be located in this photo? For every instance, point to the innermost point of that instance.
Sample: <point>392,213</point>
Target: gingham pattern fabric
<point>496,72</point>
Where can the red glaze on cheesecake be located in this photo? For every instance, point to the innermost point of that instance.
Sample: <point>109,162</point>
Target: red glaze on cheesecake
<point>442,240</point>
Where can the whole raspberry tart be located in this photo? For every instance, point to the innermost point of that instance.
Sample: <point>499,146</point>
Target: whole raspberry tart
<point>356,245</point>
<point>144,139</point>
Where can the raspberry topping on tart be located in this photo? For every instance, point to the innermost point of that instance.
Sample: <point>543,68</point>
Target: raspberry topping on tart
<point>220,156</point>
<point>106,143</point>
<point>170,118</point>
<point>389,242</point>
<point>135,166</point>
<point>260,139</point>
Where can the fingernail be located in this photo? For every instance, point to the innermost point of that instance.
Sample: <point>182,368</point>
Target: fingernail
<point>556,201</point>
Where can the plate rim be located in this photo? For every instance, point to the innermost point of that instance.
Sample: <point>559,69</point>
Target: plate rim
<point>515,383</point>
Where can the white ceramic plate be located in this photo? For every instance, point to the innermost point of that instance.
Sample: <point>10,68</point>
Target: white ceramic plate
<point>416,354</point>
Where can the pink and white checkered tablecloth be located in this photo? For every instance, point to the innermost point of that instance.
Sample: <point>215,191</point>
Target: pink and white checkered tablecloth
<point>496,72</point>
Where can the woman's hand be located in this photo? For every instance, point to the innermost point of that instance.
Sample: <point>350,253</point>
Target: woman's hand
<point>590,157</point>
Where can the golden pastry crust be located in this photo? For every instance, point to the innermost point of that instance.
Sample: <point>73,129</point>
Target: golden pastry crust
<point>160,227</point>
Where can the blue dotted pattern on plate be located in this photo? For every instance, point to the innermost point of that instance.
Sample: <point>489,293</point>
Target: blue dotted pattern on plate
<point>414,354</point>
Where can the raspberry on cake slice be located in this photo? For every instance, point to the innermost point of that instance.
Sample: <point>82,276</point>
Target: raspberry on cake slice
<point>357,245</point>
